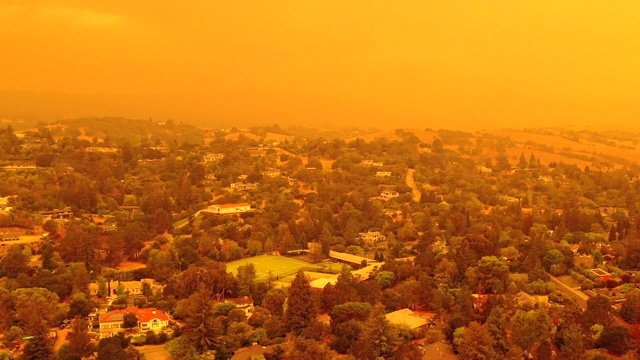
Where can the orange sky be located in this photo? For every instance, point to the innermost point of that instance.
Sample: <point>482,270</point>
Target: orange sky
<point>423,63</point>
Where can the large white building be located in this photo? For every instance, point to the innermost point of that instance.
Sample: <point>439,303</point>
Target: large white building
<point>148,319</point>
<point>229,208</point>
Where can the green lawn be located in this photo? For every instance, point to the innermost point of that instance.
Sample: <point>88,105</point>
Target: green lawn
<point>281,267</point>
<point>568,280</point>
<point>180,223</point>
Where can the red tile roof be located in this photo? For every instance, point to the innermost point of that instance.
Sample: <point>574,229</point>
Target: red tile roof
<point>144,315</point>
<point>148,314</point>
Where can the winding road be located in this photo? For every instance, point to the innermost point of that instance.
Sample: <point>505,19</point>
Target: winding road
<point>412,184</point>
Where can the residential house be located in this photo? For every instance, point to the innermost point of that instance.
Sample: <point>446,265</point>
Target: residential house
<point>271,173</point>
<point>161,149</point>
<point>383,174</point>
<point>244,303</point>
<point>129,287</point>
<point>610,210</point>
<point>148,319</point>
<point>148,162</point>
<point>392,212</point>
<point>243,186</point>
<point>262,147</point>
<point>605,276</point>
<point>101,149</point>
<point>7,201</point>
<point>406,317</point>
<point>320,283</point>
<point>545,178</point>
<point>508,199</point>
<point>389,194</point>
<point>583,260</point>
<point>372,163</point>
<point>371,237</point>
<point>19,167</point>
<point>229,208</point>
<point>212,157</point>
<point>56,214</point>
<point>523,299</point>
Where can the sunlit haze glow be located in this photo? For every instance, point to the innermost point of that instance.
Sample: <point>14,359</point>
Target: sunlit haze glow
<point>388,64</point>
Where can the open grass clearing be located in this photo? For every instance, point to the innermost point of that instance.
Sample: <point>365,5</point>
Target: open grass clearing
<point>279,266</point>
<point>569,281</point>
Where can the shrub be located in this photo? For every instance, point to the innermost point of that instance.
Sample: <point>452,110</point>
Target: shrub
<point>587,284</point>
<point>434,336</point>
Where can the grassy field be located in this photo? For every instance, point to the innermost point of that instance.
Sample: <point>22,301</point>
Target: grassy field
<point>279,266</point>
<point>284,269</point>
<point>568,280</point>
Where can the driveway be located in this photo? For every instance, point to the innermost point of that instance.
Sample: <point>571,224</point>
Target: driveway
<point>154,352</point>
<point>439,351</point>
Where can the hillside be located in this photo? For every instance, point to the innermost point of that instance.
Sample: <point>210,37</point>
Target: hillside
<point>130,129</point>
<point>612,149</point>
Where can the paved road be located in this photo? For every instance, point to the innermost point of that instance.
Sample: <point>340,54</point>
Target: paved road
<point>61,339</point>
<point>154,352</point>
<point>412,183</point>
<point>25,239</point>
<point>439,351</point>
<point>569,292</point>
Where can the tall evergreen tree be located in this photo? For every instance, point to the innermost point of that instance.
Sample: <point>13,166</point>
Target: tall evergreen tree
<point>246,279</point>
<point>476,343</point>
<point>80,345</point>
<point>573,346</point>
<point>301,308</point>
<point>630,310</point>
<point>203,328</point>
<point>497,325</point>
<point>377,337</point>
<point>598,312</point>
<point>325,240</point>
<point>37,349</point>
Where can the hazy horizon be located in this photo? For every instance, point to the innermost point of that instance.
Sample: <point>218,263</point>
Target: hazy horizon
<point>461,65</point>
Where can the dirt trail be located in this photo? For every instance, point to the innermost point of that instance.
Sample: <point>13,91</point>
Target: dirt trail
<point>412,183</point>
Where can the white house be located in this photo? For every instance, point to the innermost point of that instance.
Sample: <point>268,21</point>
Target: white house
<point>243,186</point>
<point>213,157</point>
<point>230,208</point>
<point>148,319</point>
<point>406,317</point>
<point>372,237</point>
<point>389,194</point>
<point>130,287</point>
<point>372,163</point>
<point>271,173</point>
<point>101,149</point>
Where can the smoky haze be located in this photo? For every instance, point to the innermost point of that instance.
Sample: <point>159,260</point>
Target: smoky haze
<point>463,64</point>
